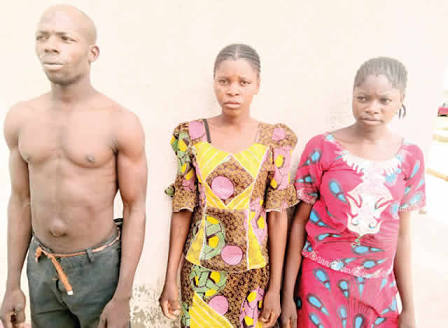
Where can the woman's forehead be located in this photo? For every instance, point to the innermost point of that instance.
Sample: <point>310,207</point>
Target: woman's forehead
<point>235,65</point>
<point>378,82</point>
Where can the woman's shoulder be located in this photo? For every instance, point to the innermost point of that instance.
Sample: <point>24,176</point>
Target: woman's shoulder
<point>320,140</point>
<point>411,152</point>
<point>411,146</point>
<point>278,134</point>
<point>192,129</point>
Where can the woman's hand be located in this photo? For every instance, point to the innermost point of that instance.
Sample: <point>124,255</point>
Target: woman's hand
<point>288,318</point>
<point>271,308</point>
<point>406,320</point>
<point>169,300</point>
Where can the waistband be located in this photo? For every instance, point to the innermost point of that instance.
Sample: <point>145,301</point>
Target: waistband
<point>42,249</point>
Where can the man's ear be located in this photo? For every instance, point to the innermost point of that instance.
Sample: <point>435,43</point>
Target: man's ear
<point>94,52</point>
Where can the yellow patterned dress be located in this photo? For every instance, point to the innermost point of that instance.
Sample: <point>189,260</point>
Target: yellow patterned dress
<point>226,270</point>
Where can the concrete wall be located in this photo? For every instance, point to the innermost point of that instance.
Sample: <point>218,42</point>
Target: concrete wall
<point>157,57</point>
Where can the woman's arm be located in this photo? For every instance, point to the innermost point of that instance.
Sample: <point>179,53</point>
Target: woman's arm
<point>169,300</point>
<point>277,231</point>
<point>403,272</point>
<point>293,260</point>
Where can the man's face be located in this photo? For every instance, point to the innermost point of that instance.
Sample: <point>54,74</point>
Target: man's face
<point>62,46</point>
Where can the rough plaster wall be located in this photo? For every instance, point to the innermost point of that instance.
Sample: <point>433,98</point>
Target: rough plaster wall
<point>157,57</point>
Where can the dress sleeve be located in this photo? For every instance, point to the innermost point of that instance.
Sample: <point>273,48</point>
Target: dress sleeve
<point>280,193</point>
<point>414,193</point>
<point>184,191</point>
<point>309,173</point>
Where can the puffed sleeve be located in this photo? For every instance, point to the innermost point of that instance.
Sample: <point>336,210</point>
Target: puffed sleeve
<point>414,193</point>
<point>184,191</point>
<point>280,193</point>
<point>309,172</point>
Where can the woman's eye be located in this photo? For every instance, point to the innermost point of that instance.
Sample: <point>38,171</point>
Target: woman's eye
<point>244,83</point>
<point>385,101</point>
<point>362,98</point>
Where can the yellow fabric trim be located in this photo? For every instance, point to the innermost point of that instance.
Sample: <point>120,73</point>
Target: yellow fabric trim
<point>212,199</point>
<point>182,146</point>
<point>213,241</point>
<point>251,158</point>
<point>212,220</point>
<point>215,276</point>
<point>255,257</point>
<point>279,161</point>
<point>189,175</point>
<point>241,201</point>
<point>183,168</point>
<point>203,316</point>
<point>208,158</point>
<point>261,222</point>
<point>210,292</point>
<point>194,252</point>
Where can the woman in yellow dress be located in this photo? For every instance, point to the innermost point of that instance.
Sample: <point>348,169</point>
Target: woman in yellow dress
<point>229,199</point>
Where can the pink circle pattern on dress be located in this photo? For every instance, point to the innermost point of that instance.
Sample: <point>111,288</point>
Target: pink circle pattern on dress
<point>232,255</point>
<point>278,134</point>
<point>220,304</point>
<point>222,187</point>
<point>196,129</point>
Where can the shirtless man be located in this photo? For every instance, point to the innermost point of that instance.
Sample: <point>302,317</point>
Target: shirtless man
<point>70,151</point>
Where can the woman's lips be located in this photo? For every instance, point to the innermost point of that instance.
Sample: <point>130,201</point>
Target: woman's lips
<point>368,119</point>
<point>232,103</point>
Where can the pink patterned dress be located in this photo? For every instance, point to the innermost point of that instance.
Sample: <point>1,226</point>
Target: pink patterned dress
<point>225,272</point>
<point>347,275</point>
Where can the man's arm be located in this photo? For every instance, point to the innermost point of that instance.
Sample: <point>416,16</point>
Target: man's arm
<point>132,176</point>
<point>19,222</point>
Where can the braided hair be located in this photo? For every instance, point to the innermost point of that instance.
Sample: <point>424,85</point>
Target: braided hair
<point>393,69</point>
<point>238,51</point>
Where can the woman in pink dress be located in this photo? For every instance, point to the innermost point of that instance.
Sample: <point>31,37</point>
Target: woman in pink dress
<point>351,232</point>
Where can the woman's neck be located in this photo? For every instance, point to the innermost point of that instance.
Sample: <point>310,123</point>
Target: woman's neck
<point>240,120</point>
<point>370,134</point>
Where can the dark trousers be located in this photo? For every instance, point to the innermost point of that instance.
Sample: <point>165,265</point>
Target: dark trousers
<point>93,276</point>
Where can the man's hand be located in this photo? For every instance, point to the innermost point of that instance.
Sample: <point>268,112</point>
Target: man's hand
<point>271,308</point>
<point>169,300</point>
<point>115,314</point>
<point>289,313</point>
<point>12,313</point>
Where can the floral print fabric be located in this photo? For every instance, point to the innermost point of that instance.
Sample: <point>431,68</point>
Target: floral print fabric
<point>226,270</point>
<point>353,225</point>
<point>230,194</point>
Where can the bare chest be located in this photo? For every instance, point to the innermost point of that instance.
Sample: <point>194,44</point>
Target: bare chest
<point>84,142</point>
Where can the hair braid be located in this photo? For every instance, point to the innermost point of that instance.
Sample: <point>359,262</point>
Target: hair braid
<point>238,51</point>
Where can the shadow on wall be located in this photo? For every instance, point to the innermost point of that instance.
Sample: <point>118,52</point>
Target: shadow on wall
<point>145,310</point>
